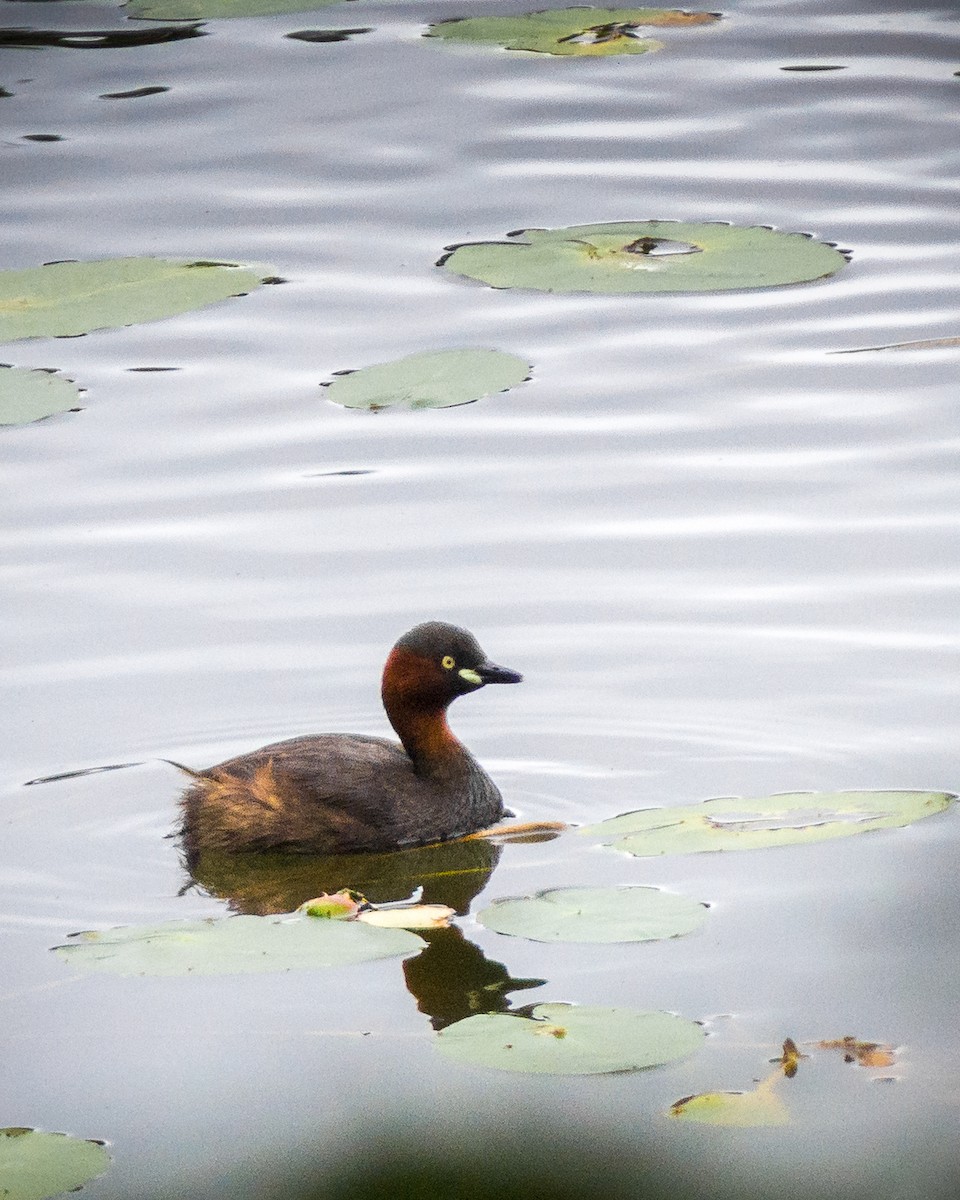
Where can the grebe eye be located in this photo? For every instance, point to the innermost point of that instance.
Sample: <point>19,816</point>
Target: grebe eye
<point>448,663</point>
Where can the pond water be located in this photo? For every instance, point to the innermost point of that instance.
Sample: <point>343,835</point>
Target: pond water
<point>724,555</point>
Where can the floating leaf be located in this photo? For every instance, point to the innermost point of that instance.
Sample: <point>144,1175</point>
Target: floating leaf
<point>234,945</point>
<point>864,1054</point>
<point>785,819</point>
<point>790,1058</point>
<point>645,256</point>
<point>68,298</point>
<point>341,906</point>
<point>409,916</point>
<point>947,343</point>
<point>190,10</point>
<point>435,379</point>
<point>519,832</point>
<point>744,1110</point>
<point>566,1039</point>
<point>27,396</point>
<point>347,905</point>
<point>617,914</point>
<point>582,31</point>
<point>34,1165</point>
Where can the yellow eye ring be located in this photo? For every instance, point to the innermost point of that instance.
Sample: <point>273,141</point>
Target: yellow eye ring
<point>448,663</point>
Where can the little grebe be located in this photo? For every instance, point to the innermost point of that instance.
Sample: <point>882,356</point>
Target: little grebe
<point>338,793</point>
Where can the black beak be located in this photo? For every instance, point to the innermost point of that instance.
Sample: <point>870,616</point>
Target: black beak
<point>490,673</point>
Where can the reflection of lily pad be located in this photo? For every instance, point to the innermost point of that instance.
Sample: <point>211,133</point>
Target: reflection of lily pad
<point>34,1165</point>
<point>645,256</point>
<point>68,298</point>
<point>436,379</point>
<point>194,10</point>
<point>786,819</point>
<point>617,914</point>
<point>234,945</point>
<point>27,396</point>
<point>566,1039</point>
<point>578,31</point>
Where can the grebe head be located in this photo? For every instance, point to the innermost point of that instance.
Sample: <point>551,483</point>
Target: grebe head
<point>434,663</point>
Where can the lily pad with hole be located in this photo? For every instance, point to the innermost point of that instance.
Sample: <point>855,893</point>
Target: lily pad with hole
<point>567,1039</point>
<point>234,945</point>
<point>197,10</point>
<point>27,396</point>
<point>581,31</point>
<point>645,256</point>
<point>616,914</point>
<point>34,1165</point>
<point>790,818</point>
<point>63,299</point>
<point>434,379</point>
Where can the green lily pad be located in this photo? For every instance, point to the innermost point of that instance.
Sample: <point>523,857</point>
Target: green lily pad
<point>64,299</point>
<point>234,945</point>
<point>435,379</point>
<point>192,10</point>
<point>616,914</point>
<point>27,396</point>
<point>790,818</point>
<point>645,256</point>
<point>34,1165</point>
<point>566,1039</point>
<point>581,31</point>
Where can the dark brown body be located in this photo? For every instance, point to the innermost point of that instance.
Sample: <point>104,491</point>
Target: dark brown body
<point>334,794</point>
<point>344,793</point>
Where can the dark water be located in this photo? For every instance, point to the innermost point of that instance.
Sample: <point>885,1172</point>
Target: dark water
<point>724,556</point>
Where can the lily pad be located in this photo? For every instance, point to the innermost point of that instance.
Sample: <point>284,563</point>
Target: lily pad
<point>191,10</point>
<point>34,1165</point>
<point>566,1039</point>
<point>234,945</point>
<point>617,914</point>
<point>581,31</point>
<point>435,379</point>
<point>64,299</point>
<point>786,819</point>
<point>27,396</point>
<point>645,256</point>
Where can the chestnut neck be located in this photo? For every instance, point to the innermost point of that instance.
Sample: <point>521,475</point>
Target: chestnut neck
<point>416,707</point>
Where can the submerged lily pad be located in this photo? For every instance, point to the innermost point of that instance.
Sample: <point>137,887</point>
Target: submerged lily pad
<point>566,1039</point>
<point>34,1165</point>
<point>64,299</point>
<point>234,945</point>
<point>742,1110</point>
<point>645,256</point>
<point>191,10</point>
<point>27,396</point>
<point>581,31</point>
<point>435,379</point>
<point>617,914</point>
<point>730,823</point>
